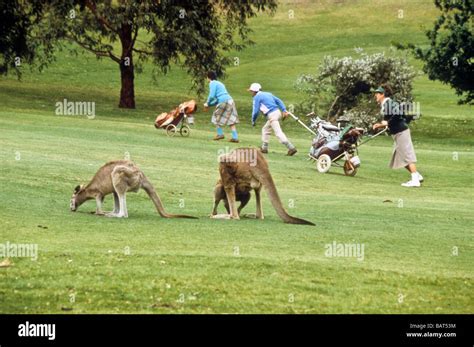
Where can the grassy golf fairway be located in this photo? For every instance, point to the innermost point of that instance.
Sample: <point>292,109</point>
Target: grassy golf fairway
<point>418,243</point>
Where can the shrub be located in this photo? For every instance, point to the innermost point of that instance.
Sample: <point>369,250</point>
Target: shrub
<point>343,86</point>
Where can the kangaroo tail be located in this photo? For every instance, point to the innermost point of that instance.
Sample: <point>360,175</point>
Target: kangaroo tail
<point>270,187</point>
<point>262,173</point>
<point>148,188</point>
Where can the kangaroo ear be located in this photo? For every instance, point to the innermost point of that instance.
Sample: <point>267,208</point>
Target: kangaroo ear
<point>77,189</point>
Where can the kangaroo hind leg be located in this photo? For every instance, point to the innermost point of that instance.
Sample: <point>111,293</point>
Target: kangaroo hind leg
<point>120,184</point>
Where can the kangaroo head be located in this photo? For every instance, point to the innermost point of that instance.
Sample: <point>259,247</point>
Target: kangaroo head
<point>76,201</point>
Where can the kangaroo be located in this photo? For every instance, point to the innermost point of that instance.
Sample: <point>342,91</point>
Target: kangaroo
<point>117,178</point>
<point>239,176</point>
<point>242,195</point>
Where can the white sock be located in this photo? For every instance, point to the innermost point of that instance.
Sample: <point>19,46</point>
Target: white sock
<point>414,177</point>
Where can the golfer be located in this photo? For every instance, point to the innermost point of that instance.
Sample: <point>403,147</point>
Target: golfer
<point>403,151</point>
<point>225,112</point>
<point>272,108</point>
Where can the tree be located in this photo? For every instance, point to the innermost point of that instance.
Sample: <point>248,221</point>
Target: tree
<point>450,57</point>
<point>14,28</point>
<point>343,86</point>
<point>194,34</point>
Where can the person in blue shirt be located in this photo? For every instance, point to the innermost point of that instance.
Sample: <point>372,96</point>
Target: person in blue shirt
<point>272,108</point>
<point>225,112</point>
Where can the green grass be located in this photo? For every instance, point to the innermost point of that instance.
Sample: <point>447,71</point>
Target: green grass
<point>246,266</point>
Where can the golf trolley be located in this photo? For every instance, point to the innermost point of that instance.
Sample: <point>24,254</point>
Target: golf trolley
<point>179,125</point>
<point>177,120</point>
<point>334,144</point>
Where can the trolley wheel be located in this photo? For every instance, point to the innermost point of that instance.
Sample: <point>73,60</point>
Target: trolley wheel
<point>185,130</point>
<point>171,130</point>
<point>324,163</point>
<point>349,169</point>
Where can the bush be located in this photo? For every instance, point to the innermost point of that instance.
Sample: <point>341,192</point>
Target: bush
<point>342,86</point>
<point>450,56</point>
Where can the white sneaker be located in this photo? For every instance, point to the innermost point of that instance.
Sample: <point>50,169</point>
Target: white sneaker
<point>420,178</point>
<point>411,183</point>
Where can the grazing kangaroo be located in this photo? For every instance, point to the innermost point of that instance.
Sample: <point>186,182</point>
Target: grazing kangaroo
<point>241,194</point>
<point>239,176</point>
<point>118,178</point>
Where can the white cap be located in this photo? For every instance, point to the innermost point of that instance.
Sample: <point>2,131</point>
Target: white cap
<point>255,87</point>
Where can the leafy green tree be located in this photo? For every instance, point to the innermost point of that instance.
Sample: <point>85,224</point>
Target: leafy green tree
<point>450,56</point>
<point>342,87</point>
<point>15,24</point>
<point>194,34</point>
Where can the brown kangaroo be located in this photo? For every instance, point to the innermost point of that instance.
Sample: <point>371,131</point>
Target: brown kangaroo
<point>239,174</point>
<point>118,178</point>
<point>219,194</point>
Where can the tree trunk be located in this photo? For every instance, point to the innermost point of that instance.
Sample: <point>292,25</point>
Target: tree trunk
<point>127,74</point>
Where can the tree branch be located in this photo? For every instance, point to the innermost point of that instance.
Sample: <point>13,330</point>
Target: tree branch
<point>142,51</point>
<point>98,53</point>
<point>93,8</point>
<point>335,101</point>
<point>332,105</point>
<point>132,44</point>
